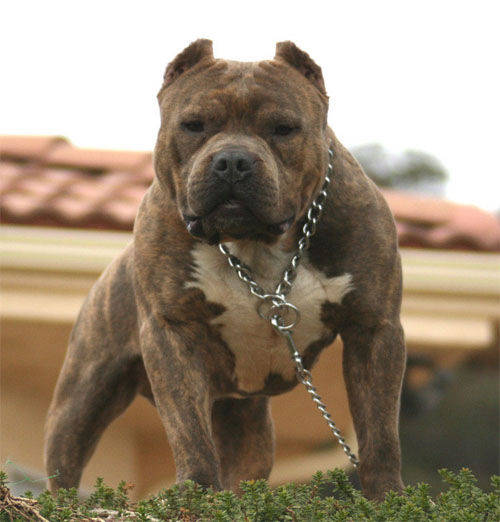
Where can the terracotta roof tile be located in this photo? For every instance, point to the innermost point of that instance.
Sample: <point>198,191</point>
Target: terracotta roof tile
<point>122,212</point>
<point>436,223</point>
<point>44,180</point>
<point>10,173</point>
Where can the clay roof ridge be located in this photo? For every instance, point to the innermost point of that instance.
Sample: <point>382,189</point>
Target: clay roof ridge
<point>58,152</point>
<point>29,149</point>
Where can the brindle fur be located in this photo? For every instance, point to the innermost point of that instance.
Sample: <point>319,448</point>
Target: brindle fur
<point>147,328</point>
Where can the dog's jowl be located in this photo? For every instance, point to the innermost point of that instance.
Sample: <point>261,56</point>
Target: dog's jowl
<point>241,154</point>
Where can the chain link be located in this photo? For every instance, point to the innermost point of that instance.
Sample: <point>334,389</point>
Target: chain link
<point>283,315</point>
<point>305,377</point>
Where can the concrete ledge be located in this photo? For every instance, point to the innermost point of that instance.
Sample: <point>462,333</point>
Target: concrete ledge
<point>451,299</point>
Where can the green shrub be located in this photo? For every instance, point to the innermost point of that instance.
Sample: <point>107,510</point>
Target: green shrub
<point>328,497</point>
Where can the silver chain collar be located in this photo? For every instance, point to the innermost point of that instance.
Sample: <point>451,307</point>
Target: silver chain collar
<point>282,314</point>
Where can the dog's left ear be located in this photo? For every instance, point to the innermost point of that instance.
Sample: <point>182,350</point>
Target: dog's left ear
<point>300,60</point>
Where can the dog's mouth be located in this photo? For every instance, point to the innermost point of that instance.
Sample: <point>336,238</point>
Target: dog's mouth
<point>232,207</point>
<point>233,219</point>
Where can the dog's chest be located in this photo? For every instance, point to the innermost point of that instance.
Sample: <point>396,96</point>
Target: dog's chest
<point>259,351</point>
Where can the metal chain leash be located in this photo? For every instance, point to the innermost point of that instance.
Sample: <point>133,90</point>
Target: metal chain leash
<point>282,314</point>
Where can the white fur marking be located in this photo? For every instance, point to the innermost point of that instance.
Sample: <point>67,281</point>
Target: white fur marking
<point>258,349</point>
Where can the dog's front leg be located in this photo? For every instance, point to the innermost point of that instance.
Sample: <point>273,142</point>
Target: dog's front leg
<point>374,362</point>
<point>180,384</point>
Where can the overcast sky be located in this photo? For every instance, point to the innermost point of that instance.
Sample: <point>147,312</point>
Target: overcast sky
<point>420,75</point>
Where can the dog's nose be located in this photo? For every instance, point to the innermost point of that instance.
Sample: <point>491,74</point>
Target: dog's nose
<point>233,165</point>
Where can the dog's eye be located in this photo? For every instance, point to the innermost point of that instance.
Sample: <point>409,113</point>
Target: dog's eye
<point>193,126</point>
<point>283,130</point>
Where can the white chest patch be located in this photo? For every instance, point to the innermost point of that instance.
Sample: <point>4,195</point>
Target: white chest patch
<point>258,349</point>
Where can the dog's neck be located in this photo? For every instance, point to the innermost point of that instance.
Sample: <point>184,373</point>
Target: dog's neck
<point>265,261</point>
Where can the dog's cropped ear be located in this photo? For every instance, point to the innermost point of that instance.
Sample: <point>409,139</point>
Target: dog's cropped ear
<point>300,60</point>
<point>194,53</point>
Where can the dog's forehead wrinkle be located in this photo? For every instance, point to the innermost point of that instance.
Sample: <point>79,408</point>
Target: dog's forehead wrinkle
<point>240,90</point>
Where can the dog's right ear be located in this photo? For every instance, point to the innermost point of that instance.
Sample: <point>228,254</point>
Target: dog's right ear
<point>196,52</point>
<point>302,62</point>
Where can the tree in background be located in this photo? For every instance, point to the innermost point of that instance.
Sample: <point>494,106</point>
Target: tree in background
<point>411,170</point>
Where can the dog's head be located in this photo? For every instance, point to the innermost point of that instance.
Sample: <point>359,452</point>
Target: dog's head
<point>242,147</point>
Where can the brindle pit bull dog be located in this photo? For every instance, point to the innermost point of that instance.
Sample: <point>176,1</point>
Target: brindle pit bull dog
<point>241,153</point>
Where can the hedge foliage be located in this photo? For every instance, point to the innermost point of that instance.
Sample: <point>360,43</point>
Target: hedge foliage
<point>328,497</point>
